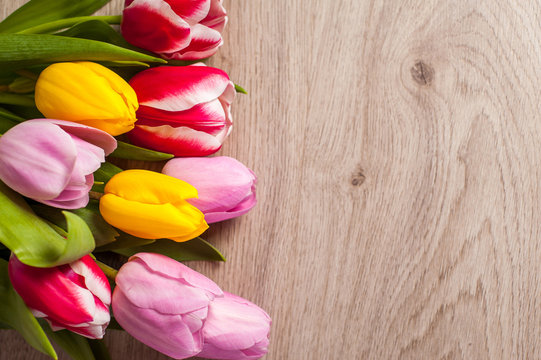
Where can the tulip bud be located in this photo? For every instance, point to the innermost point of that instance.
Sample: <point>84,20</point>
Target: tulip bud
<point>151,205</point>
<point>185,110</point>
<point>74,296</point>
<point>235,329</point>
<point>225,186</point>
<point>53,161</point>
<point>181,30</point>
<point>87,93</point>
<point>163,303</point>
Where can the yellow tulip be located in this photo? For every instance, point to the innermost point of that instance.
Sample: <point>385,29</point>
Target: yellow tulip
<point>87,93</point>
<point>151,205</point>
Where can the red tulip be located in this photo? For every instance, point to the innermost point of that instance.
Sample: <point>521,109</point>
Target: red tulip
<point>184,110</point>
<point>175,29</point>
<point>74,296</point>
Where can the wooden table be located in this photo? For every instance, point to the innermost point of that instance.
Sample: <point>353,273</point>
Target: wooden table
<point>398,149</point>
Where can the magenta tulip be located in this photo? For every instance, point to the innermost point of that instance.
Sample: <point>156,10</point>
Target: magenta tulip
<point>52,161</point>
<point>175,29</point>
<point>235,329</point>
<point>74,296</point>
<point>163,303</point>
<point>184,110</point>
<point>225,186</point>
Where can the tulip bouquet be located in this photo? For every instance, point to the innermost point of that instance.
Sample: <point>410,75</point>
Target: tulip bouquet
<point>86,244</point>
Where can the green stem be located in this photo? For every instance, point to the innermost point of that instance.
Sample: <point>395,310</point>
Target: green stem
<point>107,270</point>
<point>65,23</point>
<point>240,89</point>
<point>16,99</point>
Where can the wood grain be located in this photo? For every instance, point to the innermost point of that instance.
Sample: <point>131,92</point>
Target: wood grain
<point>398,150</point>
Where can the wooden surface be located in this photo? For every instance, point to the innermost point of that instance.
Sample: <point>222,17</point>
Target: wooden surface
<point>398,149</point>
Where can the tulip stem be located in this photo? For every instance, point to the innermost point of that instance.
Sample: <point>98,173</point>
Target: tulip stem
<point>69,22</point>
<point>240,89</point>
<point>107,270</point>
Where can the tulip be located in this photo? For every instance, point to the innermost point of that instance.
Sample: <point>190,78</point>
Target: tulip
<point>73,296</point>
<point>163,303</point>
<point>151,205</point>
<point>182,30</point>
<point>53,161</point>
<point>225,186</point>
<point>184,110</point>
<point>235,329</point>
<point>87,93</point>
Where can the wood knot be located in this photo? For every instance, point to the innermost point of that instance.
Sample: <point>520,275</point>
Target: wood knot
<point>422,73</point>
<point>358,177</point>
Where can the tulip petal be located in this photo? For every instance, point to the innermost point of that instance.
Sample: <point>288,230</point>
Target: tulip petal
<point>152,221</point>
<point>149,187</point>
<point>205,42</point>
<point>192,11</point>
<point>169,267</point>
<point>89,134</point>
<point>217,16</point>
<point>170,334</point>
<point>40,288</point>
<point>180,141</point>
<point>40,171</point>
<point>209,117</point>
<point>234,323</point>
<point>153,25</point>
<point>94,278</point>
<point>233,187</point>
<point>179,88</point>
<point>139,284</point>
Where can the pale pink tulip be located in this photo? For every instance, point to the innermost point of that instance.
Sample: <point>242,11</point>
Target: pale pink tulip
<point>53,161</point>
<point>163,303</point>
<point>75,296</point>
<point>175,29</point>
<point>225,186</point>
<point>184,110</point>
<point>235,329</point>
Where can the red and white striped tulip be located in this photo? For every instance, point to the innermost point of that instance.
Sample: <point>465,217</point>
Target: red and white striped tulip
<point>175,29</point>
<point>184,110</point>
<point>74,296</point>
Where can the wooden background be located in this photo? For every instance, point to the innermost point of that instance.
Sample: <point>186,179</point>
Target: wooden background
<point>398,149</point>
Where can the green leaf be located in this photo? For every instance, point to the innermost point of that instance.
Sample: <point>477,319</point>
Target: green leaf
<point>6,114</point>
<point>124,240</point>
<point>75,345</point>
<point>53,26</point>
<point>37,12</point>
<point>33,241</point>
<point>106,172</point>
<point>21,50</point>
<point>16,99</point>
<point>97,30</point>
<point>196,249</point>
<point>240,89</point>
<point>6,123</point>
<point>5,326</point>
<point>14,313</point>
<point>132,152</point>
<point>102,232</point>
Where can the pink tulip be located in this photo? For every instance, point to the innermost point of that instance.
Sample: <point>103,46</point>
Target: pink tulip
<point>163,303</point>
<point>175,29</point>
<point>225,186</point>
<point>184,110</point>
<point>235,329</point>
<point>52,161</point>
<point>74,296</point>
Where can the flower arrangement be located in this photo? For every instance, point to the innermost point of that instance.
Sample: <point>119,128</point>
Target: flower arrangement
<point>77,93</point>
